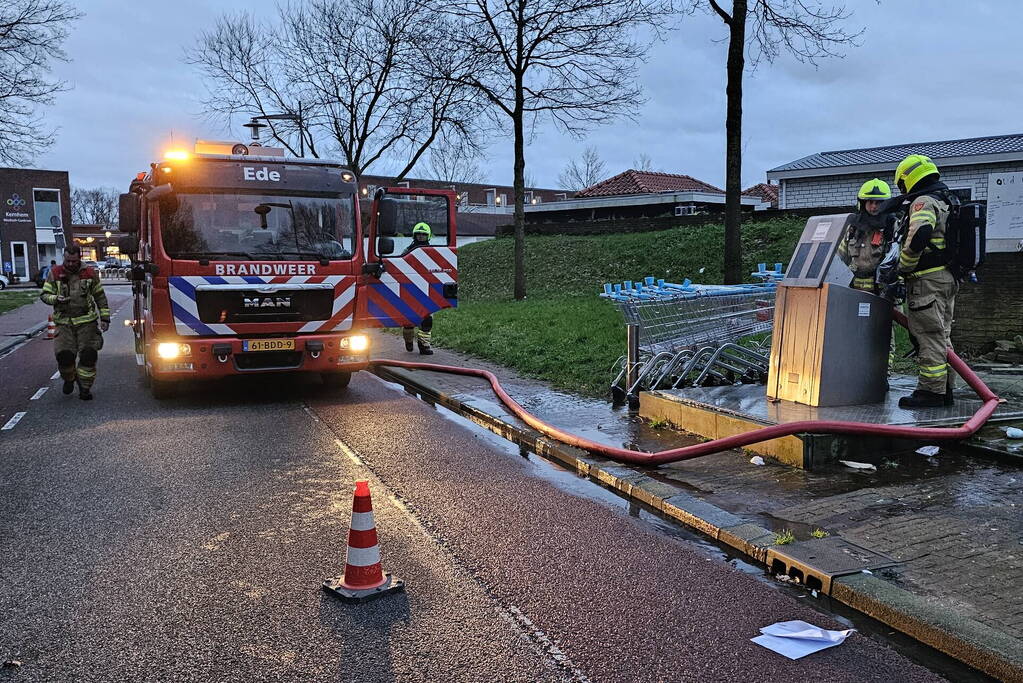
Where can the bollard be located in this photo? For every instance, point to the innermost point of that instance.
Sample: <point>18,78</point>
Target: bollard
<point>632,362</point>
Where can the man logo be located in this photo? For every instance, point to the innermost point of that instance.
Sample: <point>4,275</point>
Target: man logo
<point>266,302</point>
<point>16,201</point>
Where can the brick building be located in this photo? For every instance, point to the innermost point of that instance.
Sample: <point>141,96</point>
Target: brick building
<point>833,178</point>
<point>35,206</point>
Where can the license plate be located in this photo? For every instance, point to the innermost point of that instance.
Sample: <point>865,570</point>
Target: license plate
<point>268,345</point>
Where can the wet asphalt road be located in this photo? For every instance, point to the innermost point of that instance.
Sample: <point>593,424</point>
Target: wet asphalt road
<point>187,540</point>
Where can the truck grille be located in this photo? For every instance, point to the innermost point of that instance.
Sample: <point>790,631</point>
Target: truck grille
<point>251,306</point>
<point>268,360</point>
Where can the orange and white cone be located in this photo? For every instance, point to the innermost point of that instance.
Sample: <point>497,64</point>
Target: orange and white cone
<point>51,329</point>
<point>363,578</point>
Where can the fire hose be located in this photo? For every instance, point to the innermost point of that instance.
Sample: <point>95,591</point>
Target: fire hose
<point>990,403</point>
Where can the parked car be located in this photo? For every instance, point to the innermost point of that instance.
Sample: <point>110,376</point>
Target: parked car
<point>4,282</point>
<point>90,264</point>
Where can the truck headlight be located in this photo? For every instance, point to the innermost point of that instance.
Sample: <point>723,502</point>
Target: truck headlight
<point>171,350</point>
<point>358,342</point>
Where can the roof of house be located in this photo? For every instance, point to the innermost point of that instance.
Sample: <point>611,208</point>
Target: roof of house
<point>892,154</point>
<point>766,191</point>
<point>646,182</point>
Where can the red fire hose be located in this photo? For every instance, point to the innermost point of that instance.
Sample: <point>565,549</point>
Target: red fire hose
<point>739,440</point>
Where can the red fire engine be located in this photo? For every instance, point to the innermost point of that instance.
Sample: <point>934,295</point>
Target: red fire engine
<point>252,263</point>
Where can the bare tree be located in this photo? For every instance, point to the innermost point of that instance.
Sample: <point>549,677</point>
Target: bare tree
<point>454,161</point>
<point>808,30</point>
<point>32,33</point>
<point>643,162</point>
<point>97,206</point>
<point>350,68</point>
<point>583,172</point>
<point>570,61</point>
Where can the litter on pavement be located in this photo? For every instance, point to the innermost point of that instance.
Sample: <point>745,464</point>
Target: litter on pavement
<point>859,465</point>
<point>796,639</point>
<point>757,460</point>
<point>1014,432</point>
<point>929,451</point>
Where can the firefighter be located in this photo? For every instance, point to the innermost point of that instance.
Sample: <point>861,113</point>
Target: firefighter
<point>81,314</point>
<point>869,235</point>
<point>930,285</point>
<point>421,236</point>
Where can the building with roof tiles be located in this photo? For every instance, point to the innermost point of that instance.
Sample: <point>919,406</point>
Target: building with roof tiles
<point>833,178</point>
<point>639,194</point>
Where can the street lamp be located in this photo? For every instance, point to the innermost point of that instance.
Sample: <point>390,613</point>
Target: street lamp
<point>254,124</point>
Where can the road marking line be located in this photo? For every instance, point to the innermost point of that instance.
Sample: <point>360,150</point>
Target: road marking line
<point>15,419</point>
<point>55,375</point>
<point>39,394</point>
<point>311,414</point>
<point>349,452</point>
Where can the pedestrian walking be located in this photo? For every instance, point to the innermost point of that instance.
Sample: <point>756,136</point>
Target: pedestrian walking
<point>421,236</point>
<point>81,314</point>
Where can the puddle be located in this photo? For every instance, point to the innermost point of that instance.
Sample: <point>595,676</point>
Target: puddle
<point>583,487</point>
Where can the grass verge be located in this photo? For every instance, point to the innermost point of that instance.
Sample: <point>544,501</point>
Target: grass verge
<point>563,332</point>
<point>16,298</point>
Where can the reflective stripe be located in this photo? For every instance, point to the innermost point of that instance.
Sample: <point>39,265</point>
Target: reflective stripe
<point>924,272</point>
<point>929,375</point>
<point>362,521</point>
<point>923,215</point>
<point>363,557</point>
<point>86,372</point>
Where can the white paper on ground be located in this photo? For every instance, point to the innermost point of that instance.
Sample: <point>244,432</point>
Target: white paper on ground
<point>928,450</point>
<point>796,639</point>
<point>858,465</point>
<point>757,460</point>
<point>1014,432</point>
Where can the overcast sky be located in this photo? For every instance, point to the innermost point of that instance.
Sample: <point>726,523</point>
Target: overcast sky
<point>923,71</point>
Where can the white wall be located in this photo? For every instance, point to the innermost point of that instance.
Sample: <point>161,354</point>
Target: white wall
<point>799,193</point>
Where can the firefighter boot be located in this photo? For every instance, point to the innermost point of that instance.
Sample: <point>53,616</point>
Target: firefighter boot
<point>86,373</point>
<point>68,372</point>
<point>921,398</point>
<point>408,334</point>
<point>424,343</point>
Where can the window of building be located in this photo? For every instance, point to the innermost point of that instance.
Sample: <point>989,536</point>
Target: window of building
<point>47,208</point>
<point>965,194</point>
<point>491,197</point>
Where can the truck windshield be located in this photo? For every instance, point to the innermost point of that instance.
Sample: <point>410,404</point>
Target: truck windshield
<point>257,227</point>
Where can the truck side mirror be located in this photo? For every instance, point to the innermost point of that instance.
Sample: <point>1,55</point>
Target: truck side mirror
<point>388,211</point>
<point>128,213</point>
<point>385,246</point>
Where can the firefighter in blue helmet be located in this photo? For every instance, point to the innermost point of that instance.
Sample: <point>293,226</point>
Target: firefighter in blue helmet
<point>421,236</point>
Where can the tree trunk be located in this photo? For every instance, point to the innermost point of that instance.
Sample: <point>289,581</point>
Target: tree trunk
<point>733,144</point>
<point>520,195</point>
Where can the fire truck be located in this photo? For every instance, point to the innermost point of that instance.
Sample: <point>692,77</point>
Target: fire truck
<point>250,262</point>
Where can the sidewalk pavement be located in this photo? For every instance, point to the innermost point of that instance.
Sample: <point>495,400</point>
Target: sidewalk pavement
<point>952,522</point>
<point>18,325</point>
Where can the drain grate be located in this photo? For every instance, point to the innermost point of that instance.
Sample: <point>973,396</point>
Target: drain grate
<point>815,563</point>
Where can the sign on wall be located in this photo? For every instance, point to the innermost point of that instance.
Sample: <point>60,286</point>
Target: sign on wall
<point>15,209</point>
<point>1005,212</point>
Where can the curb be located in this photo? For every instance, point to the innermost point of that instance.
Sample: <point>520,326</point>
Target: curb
<point>9,341</point>
<point>962,638</point>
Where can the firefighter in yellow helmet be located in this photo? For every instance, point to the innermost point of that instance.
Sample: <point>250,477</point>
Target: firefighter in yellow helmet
<point>869,235</point>
<point>421,236</point>
<point>930,285</point>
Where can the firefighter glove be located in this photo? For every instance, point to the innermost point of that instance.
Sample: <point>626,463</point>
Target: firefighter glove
<point>104,325</point>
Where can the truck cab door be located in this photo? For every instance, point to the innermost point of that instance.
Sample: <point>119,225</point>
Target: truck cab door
<point>406,281</point>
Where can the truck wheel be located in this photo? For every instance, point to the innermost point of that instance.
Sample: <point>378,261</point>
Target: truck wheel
<point>336,381</point>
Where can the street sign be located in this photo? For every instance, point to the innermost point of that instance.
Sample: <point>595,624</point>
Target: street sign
<point>1005,212</point>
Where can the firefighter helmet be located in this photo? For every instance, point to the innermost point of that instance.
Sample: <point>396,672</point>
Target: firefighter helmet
<point>876,189</point>
<point>422,229</point>
<point>912,170</point>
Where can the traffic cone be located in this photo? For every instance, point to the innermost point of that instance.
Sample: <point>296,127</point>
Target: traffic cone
<point>363,578</point>
<point>51,329</point>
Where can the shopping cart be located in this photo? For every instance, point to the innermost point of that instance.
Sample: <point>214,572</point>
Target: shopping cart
<point>687,333</point>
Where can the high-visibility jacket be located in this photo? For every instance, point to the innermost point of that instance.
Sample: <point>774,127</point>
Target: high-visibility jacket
<point>863,247</point>
<point>86,299</point>
<point>924,250</point>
